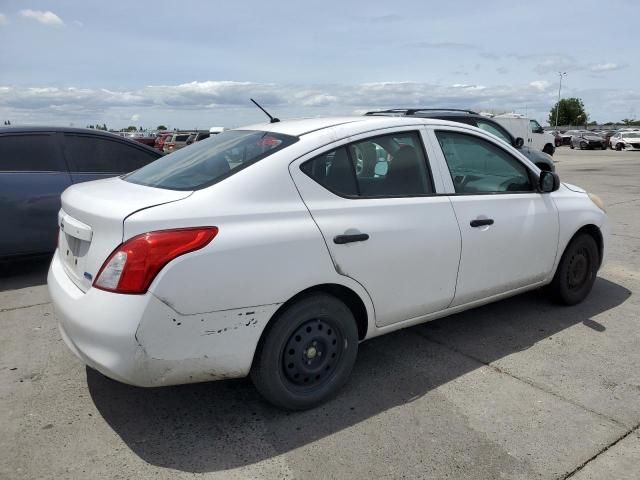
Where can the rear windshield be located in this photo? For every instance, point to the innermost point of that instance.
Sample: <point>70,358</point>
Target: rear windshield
<point>206,163</point>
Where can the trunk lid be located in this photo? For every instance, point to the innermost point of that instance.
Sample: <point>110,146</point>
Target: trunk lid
<point>92,218</point>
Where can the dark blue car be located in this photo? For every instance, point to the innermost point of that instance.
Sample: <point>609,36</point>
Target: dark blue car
<point>38,163</point>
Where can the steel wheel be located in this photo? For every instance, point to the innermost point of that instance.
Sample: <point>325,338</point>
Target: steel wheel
<point>312,352</point>
<point>576,271</point>
<point>307,352</point>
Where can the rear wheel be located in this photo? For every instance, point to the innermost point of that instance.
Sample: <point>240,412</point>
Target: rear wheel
<point>307,354</point>
<point>576,272</point>
<point>618,146</point>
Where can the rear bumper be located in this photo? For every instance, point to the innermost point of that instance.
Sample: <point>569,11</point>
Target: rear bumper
<point>141,341</point>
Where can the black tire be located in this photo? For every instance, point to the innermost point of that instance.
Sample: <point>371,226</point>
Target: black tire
<point>300,377</point>
<point>571,146</point>
<point>583,145</point>
<point>618,147</point>
<point>576,272</point>
<point>604,146</point>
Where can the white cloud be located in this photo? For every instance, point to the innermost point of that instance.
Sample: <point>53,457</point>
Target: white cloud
<point>540,85</point>
<point>227,102</point>
<point>605,67</point>
<point>45,18</point>
<point>3,19</point>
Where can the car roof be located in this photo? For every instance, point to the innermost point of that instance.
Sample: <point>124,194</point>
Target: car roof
<point>84,131</point>
<point>299,127</point>
<point>45,128</point>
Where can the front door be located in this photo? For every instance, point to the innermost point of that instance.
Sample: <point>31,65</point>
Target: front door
<point>509,230</point>
<point>373,200</point>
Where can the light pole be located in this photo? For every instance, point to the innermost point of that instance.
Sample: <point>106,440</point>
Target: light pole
<point>560,74</point>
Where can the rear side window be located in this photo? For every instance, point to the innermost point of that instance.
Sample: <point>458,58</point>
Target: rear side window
<point>29,153</point>
<point>382,166</point>
<point>86,154</point>
<point>206,163</point>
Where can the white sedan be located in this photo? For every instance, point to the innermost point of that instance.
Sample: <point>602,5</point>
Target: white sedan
<point>628,140</point>
<point>273,250</point>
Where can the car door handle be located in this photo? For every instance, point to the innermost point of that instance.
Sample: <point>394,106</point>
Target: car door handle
<point>480,222</point>
<point>342,239</point>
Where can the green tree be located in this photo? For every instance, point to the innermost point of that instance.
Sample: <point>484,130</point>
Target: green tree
<point>570,111</point>
<point>161,127</point>
<point>132,128</point>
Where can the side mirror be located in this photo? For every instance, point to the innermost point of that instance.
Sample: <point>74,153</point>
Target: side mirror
<point>519,142</point>
<point>548,182</point>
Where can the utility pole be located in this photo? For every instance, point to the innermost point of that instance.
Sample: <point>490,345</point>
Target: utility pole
<point>560,74</point>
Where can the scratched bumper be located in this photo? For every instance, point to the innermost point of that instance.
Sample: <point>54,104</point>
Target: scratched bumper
<point>139,340</point>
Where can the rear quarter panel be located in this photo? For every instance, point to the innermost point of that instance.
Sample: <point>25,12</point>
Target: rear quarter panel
<point>267,250</point>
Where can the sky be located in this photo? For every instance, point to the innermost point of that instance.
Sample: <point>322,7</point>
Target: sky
<point>195,64</point>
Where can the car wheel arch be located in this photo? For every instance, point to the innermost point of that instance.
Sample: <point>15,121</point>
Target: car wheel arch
<point>343,293</point>
<point>593,231</point>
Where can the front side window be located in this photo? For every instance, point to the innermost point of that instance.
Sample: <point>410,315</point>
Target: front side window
<point>535,127</point>
<point>205,163</point>
<point>382,166</point>
<point>478,166</point>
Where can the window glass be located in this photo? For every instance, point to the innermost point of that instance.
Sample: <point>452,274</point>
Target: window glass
<point>205,163</point>
<point>29,153</point>
<point>491,128</point>
<point>87,153</point>
<point>334,171</point>
<point>535,127</point>
<point>383,166</point>
<point>478,166</point>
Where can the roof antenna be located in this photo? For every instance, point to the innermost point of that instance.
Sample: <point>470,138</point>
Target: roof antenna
<point>271,119</point>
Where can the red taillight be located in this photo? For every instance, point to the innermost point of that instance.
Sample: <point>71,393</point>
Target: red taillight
<point>133,265</point>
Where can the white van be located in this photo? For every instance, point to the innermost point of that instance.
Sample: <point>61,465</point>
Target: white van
<point>532,132</point>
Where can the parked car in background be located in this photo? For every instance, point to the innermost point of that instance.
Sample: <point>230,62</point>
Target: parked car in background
<point>197,136</point>
<point>585,139</point>
<point>160,139</point>
<point>216,130</point>
<point>628,140</point>
<point>38,163</point>
<point>542,160</point>
<point>189,270</point>
<point>175,142</point>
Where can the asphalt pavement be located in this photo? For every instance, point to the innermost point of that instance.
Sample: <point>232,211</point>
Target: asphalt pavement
<point>519,389</point>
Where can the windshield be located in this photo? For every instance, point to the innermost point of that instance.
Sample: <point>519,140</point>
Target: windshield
<point>205,163</point>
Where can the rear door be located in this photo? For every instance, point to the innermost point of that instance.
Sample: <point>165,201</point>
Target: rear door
<point>374,200</point>
<point>32,177</point>
<point>509,230</point>
<point>93,157</point>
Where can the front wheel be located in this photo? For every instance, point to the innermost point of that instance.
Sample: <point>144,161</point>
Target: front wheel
<point>619,147</point>
<point>576,272</point>
<point>307,354</point>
